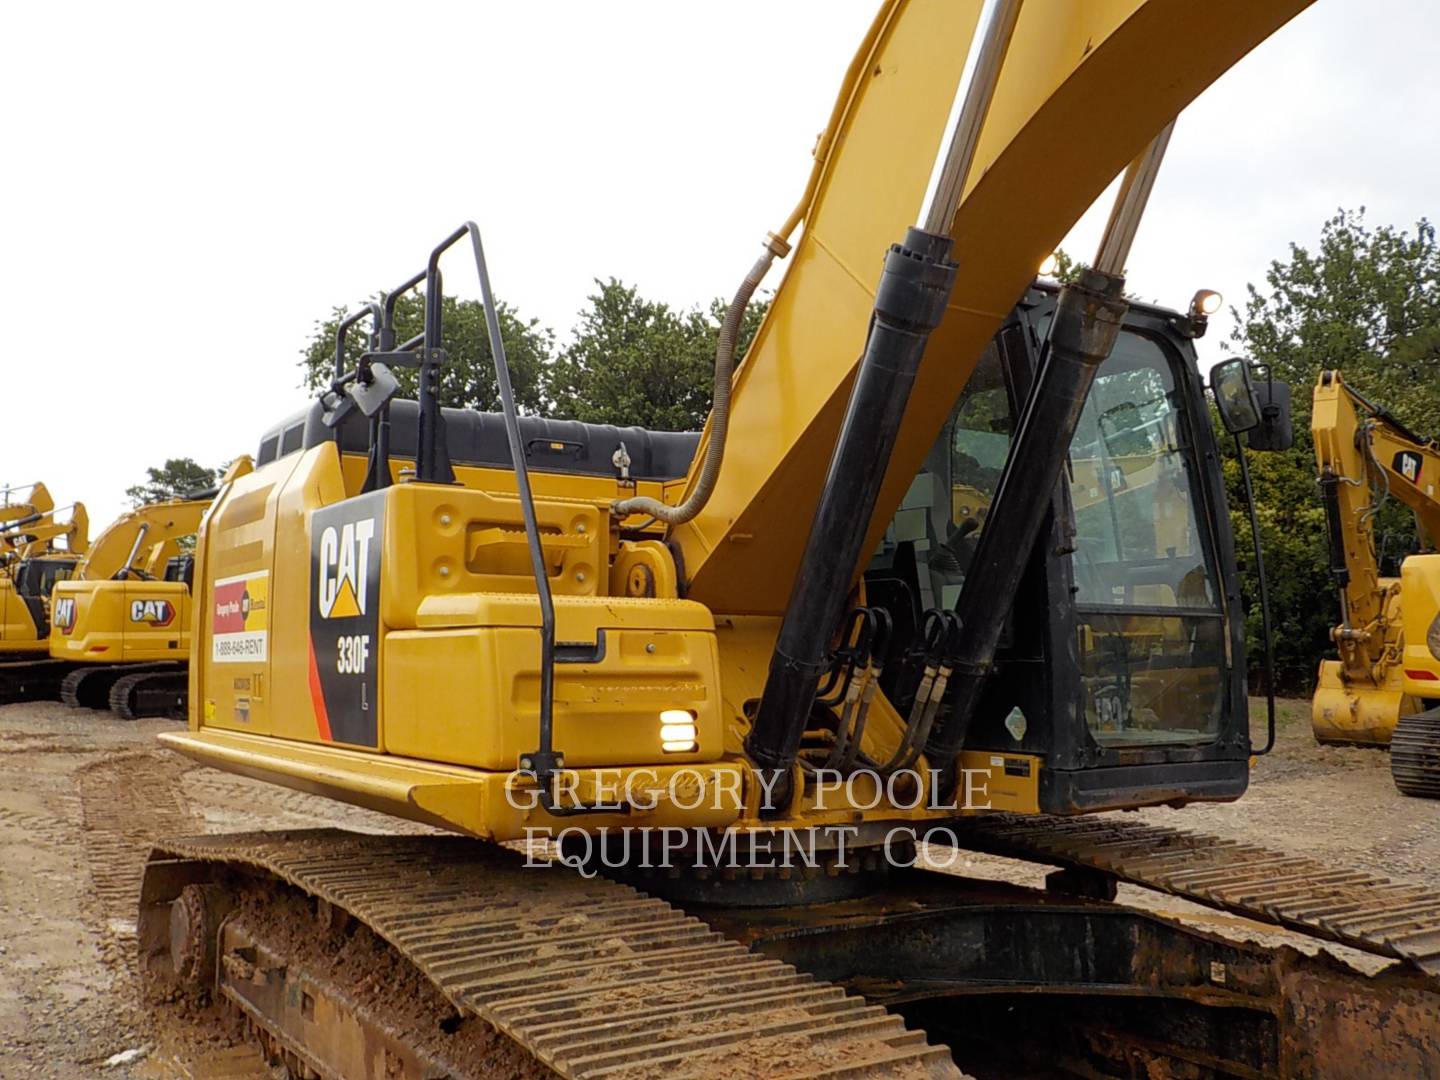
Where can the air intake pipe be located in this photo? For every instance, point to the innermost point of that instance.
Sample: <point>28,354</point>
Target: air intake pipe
<point>1087,320</point>
<point>909,304</point>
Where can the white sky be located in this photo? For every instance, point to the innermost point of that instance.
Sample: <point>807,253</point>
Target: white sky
<point>187,186</point>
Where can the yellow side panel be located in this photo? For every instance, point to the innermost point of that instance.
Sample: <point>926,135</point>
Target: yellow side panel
<point>111,622</point>
<point>17,626</point>
<point>1419,609</point>
<point>236,543</point>
<point>607,712</point>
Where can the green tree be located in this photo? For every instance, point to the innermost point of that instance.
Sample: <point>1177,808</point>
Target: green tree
<point>468,378</point>
<point>639,361</point>
<point>175,479</point>
<point>1367,301</point>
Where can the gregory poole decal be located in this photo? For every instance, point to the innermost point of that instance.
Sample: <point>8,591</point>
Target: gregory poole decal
<point>239,619</point>
<point>345,542</point>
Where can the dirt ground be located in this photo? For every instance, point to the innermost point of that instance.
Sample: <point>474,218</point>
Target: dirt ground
<point>82,794</point>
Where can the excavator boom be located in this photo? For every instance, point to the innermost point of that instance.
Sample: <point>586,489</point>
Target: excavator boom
<point>1083,89</point>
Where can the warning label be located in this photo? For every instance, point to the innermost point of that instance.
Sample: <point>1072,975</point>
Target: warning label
<point>239,626</point>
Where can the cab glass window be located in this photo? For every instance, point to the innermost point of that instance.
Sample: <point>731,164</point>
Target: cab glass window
<point>1151,632</point>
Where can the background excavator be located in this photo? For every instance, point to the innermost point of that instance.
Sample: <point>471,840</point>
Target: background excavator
<point>120,626</point>
<point>736,687</point>
<point>1381,689</point>
<point>39,545</point>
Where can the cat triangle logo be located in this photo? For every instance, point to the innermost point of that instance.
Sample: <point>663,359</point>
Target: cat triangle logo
<point>344,569</point>
<point>345,604</point>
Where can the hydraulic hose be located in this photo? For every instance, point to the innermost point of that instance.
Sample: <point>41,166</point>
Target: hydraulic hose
<point>777,245</point>
<point>720,407</point>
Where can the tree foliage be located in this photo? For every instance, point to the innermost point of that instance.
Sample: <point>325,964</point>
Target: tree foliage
<point>639,361</point>
<point>175,479</point>
<point>630,360</point>
<point>468,378</point>
<point>1366,302</point>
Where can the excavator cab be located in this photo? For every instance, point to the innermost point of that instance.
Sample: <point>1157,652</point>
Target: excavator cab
<point>1118,679</point>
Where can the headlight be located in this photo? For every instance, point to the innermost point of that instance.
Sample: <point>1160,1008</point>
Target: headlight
<point>677,732</point>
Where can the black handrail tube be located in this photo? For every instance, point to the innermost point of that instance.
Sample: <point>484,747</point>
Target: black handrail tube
<point>387,324</point>
<point>1083,330</point>
<point>544,761</point>
<point>432,461</point>
<point>342,331</point>
<point>909,304</point>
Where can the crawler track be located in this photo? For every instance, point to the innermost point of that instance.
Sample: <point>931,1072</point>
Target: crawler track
<point>150,693</point>
<point>589,976</point>
<point>1351,907</point>
<point>34,679</point>
<point>1415,755</point>
<point>129,690</point>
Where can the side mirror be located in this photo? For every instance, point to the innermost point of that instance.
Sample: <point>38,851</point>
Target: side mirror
<point>1235,396</point>
<point>374,393</point>
<point>1276,431</point>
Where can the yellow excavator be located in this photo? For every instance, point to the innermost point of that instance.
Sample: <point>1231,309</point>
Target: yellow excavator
<point>39,545</point>
<point>717,698</point>
<point>1381,689</point>
<point>120,626</point>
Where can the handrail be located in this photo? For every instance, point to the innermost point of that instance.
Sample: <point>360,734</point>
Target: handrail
<point>370,308</point>
<point>543,762</point>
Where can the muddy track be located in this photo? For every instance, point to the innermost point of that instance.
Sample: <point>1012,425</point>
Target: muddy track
<point>128,802</point>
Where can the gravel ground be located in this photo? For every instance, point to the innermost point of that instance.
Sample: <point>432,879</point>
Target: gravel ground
<point>82,794</point>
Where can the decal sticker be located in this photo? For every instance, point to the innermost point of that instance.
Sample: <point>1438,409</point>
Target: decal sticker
<point>153,612</point>
<point>64,618</point>
<point>239,621</point>
<point>345,542</point>
<point>1407,463</point>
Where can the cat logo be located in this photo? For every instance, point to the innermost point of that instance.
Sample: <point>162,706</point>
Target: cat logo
<point>1407,464</point>
<point>344,565</point>
<point>153,612</point>
<point>65,614</point>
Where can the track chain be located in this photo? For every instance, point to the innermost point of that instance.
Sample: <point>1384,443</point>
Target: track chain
<point>1351,907</point>
<point>150,693</point>
<point>1415,755</point>
<point>31,679</point>
<point>592,977</point>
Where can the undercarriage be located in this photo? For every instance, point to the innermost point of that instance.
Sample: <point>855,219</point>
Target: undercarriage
<point>357,956</point>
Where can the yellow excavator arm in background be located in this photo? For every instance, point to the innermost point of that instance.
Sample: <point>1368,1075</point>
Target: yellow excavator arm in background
<point>24,500</point>
<point>141,540</point>
<point>1115,70</point>
<point>1363,455</point>
<point>35,536</point>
